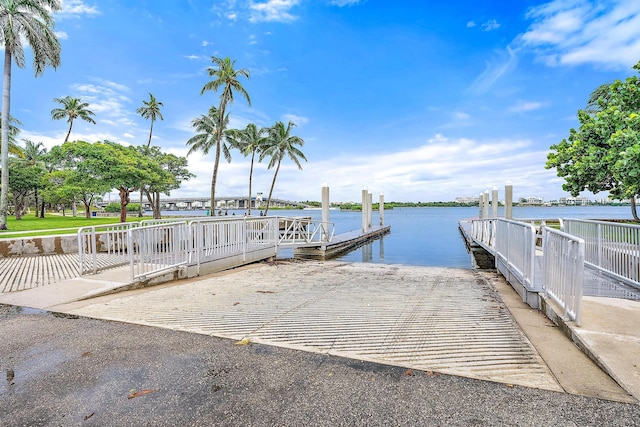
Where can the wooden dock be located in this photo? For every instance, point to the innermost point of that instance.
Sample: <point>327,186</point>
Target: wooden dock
<point>340,243</point>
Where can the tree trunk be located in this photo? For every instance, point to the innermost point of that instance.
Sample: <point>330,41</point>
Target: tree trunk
<point>273,184</point>
<point>124,201</point>
<point>17,208</point>
<point>214,178</point>
<point>66,138</point>
<point>141,200</point>
<point>156,206</point>
<point>74,209</point>
<point>634,212</point>
<point>42,210</point>
<point>4,144</point>
<point>35,195</point>
<point>250,182</point>
<point>87,209</point>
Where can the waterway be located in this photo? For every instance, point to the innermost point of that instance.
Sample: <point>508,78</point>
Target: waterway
<point>429,236</point>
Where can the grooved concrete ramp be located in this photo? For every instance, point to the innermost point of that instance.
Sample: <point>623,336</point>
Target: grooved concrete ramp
<point>426,318</point>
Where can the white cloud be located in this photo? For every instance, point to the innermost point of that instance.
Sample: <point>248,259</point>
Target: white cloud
<point>525,106</point>
<point>438,170</point>
<point>62,35</point>
<point>503,62</point>
<point>298,120</point>
<point>273,11</point>
<point>459,115</point>
<point>572,32</point>
<point>471,24</point>
<point>490,25</point>
<point>341,3</point>
<point>75,8</point>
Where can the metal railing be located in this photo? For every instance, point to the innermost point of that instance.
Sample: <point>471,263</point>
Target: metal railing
<point>515,246</point>
<point>611,248</point>
<point>216,239</point>
<point>294,231</point>
<point>159,245</point>
<point>103,246</point>
<point>157,248</point>
<point>563,270</point>
<point>483,231</point>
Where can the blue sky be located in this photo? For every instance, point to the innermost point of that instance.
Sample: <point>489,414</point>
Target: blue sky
<point>419,100</point>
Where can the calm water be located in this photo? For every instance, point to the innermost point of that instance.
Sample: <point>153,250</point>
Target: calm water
<point>430,236</point>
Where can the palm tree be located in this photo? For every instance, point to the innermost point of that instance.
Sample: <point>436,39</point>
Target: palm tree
<point>280,144</point>
<point>250,140</point>
<point>33,154</point>
<point>209,126</point>
<point>20,21</point>
<point>14,130</point>
<point>225,76</point>
<point>149,110</point>
<point>72,108</point>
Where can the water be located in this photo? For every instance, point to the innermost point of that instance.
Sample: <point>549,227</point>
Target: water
<point>430,236</point>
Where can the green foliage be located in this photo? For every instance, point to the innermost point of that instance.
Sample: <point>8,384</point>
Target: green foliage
<point>603,153</point>
<point>113,207</point>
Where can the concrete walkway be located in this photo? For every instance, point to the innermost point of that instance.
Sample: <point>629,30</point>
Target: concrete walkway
<point>423,318</point>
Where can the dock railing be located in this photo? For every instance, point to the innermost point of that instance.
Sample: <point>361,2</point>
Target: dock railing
<point>611,248</point>
<point>515,248</point>
<point>158,248</point>
<point>563,270</point>
<point>294,231</point>
<point>103,246</point>
<point>161,245</point>
<point>483,231</point>
<point>216,239</point>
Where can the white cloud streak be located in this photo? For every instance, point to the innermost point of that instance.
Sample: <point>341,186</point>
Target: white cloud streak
<point>273,11</point>
<point>574,32</point>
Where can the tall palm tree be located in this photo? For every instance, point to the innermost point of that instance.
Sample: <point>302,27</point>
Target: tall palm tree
<point>150,110</point>
<point>33,156</point>
<point>225,76</point>
<point>14,130</point>
<point>248,141</point>
<point>281,144</point>
<point>20,21</point>
<point>72,108</point>
<point>208,127</point>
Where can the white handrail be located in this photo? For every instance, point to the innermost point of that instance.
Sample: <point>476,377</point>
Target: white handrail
<point>563,270</point>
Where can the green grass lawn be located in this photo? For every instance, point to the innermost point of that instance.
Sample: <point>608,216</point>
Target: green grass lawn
<point>51,224</point>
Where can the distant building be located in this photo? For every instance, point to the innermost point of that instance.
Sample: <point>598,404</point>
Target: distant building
<point>573,201</point>
<point>466,200</point>
<point>532,200</point>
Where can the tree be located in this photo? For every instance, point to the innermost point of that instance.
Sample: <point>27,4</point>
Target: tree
<point>24,178</point>
<point>33,155</point>
<point>208,138</point>
<point>248,141</point>
<point>20,21</point>
<point>72,108</point>
<point>150,110</point>
<point>86,169</point>
<point>167,174</point>
<point>14,130</point>
<point>602,154</point>
<point>281,144</point>
<point>226,76</point>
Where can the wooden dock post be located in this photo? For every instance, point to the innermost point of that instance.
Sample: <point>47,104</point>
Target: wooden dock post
<point>494,202</point>
<point>365,216</point>
<point>381,209</point>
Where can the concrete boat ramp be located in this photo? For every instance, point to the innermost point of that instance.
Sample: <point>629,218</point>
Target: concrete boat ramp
<point>453,321</point>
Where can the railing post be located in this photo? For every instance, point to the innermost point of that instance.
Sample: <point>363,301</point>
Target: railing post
<point>94,257</point>
<point>325,210</point>
<point>599,245</point>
